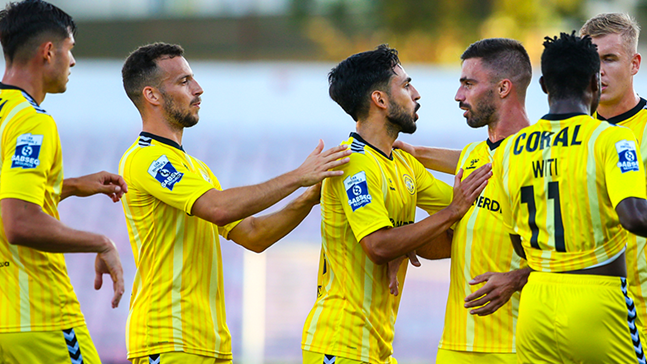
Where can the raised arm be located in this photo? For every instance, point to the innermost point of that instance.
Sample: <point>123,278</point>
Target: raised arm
<point>387,244</point>
<point>224,207</point>
<point>437,159</point>
<point>26,224</point>
<point>259,233</point>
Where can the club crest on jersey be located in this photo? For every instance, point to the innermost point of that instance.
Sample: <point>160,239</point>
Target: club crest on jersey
<point>627,157</point>
<point>163,171</point>
<point>408,182</point>
<point>27,151</point>
<point>357,190</point>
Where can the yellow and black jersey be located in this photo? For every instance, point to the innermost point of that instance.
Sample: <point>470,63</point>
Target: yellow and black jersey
<point>563,178</point>
<point>481,244</point>
<point>636,120</point>
<point>354,314</point>
<point>177,302</point>
<point>35,290</point>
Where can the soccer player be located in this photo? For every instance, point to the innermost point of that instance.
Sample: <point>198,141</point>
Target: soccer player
<point>368,216</point>
<point>616,36</point>
<point>40,317</point>
<point>176,208</point>
<point>495,75</point>
<point>570,184</point>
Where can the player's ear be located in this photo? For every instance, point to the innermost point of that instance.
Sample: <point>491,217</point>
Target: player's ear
<point>635,63</point>
<point>379,99</point>
<point>504,88</point>
<point>152,95</point>
<point>595,82</point>
<point>46,51</point>
<point>543,86</point>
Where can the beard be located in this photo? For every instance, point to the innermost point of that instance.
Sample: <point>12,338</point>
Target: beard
<point>483,114</point>
<point>176,116</point>
<point>399,117</point>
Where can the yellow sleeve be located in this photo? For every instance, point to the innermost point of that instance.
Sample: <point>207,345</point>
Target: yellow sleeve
<point>433,195</point>
<point>29,149</point>
<point>166,177</point>
<point>622,162</point>
<point>361,192</point>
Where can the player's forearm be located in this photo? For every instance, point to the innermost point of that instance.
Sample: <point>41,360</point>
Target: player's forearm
<point>27,225</point>
<point>439,248</point>
<point>385,245</point>
<point>233,204</point>
<point>438,159</point>
<point>259,233</point>
<point>70,188</point>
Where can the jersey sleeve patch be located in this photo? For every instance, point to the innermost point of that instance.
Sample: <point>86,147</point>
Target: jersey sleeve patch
<point>27,151</point>
<point>627,157</point>
<point>357,190</point>
<point>163,171</point>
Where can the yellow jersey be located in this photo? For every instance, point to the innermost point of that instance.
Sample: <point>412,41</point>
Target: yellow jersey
<point>563,178</point>
<point>481,244</point>
<point>636,119</point>
<point>36,293</point>
<point>177,302</point>
<point>354,314</point>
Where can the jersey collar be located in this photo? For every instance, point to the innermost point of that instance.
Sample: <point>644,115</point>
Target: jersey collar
<point>162,140</point>
<point>4,86</point>
<point>358,137</point>
<point>626,115</point>
<point>493,145</point>
<point>555,117</point>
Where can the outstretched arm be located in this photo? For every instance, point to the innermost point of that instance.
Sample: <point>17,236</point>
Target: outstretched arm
<point>259,233</point>
<point>386,244</point>
<point>438,159</point>
<point>224,207</point>
<point>110,184</point>
<point>26,224</point>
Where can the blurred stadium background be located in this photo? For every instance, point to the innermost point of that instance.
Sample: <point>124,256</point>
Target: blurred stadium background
<point>263,66</point>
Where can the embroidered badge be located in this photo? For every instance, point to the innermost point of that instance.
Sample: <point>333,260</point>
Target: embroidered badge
<point>27,151</point>
<point>163,171</point>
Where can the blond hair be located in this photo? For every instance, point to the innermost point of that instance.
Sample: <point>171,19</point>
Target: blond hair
<point>614,23</point>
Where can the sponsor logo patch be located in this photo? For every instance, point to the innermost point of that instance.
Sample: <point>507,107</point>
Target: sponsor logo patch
<point>627,157</point>
<point>357,190</point>
<point>163,171</point>
<point>27,151</point>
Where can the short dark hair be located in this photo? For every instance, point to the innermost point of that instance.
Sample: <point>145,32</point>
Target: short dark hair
<point>353,80</point>
<point>23,23</point>
<point>504,58</point>
<point>567,64</point>
<point>140,68</point>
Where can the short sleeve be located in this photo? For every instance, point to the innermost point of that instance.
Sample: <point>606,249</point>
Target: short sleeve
<point>222,230</point>
<point>496,183</point>
<point>433,195</point>
<point>624,171</point>
<point>361,192</point>
<point>165,175</point>
<point>29,150</point>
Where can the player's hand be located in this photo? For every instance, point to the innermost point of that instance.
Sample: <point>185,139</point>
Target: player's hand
<point>466,191</point>
<point>496,292</point>
<point>312,195</point>
<point>108,262</point>
<point>110,184</point>
<point>394,266</point>
<point>318,164</point>
<point>405,146</point>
